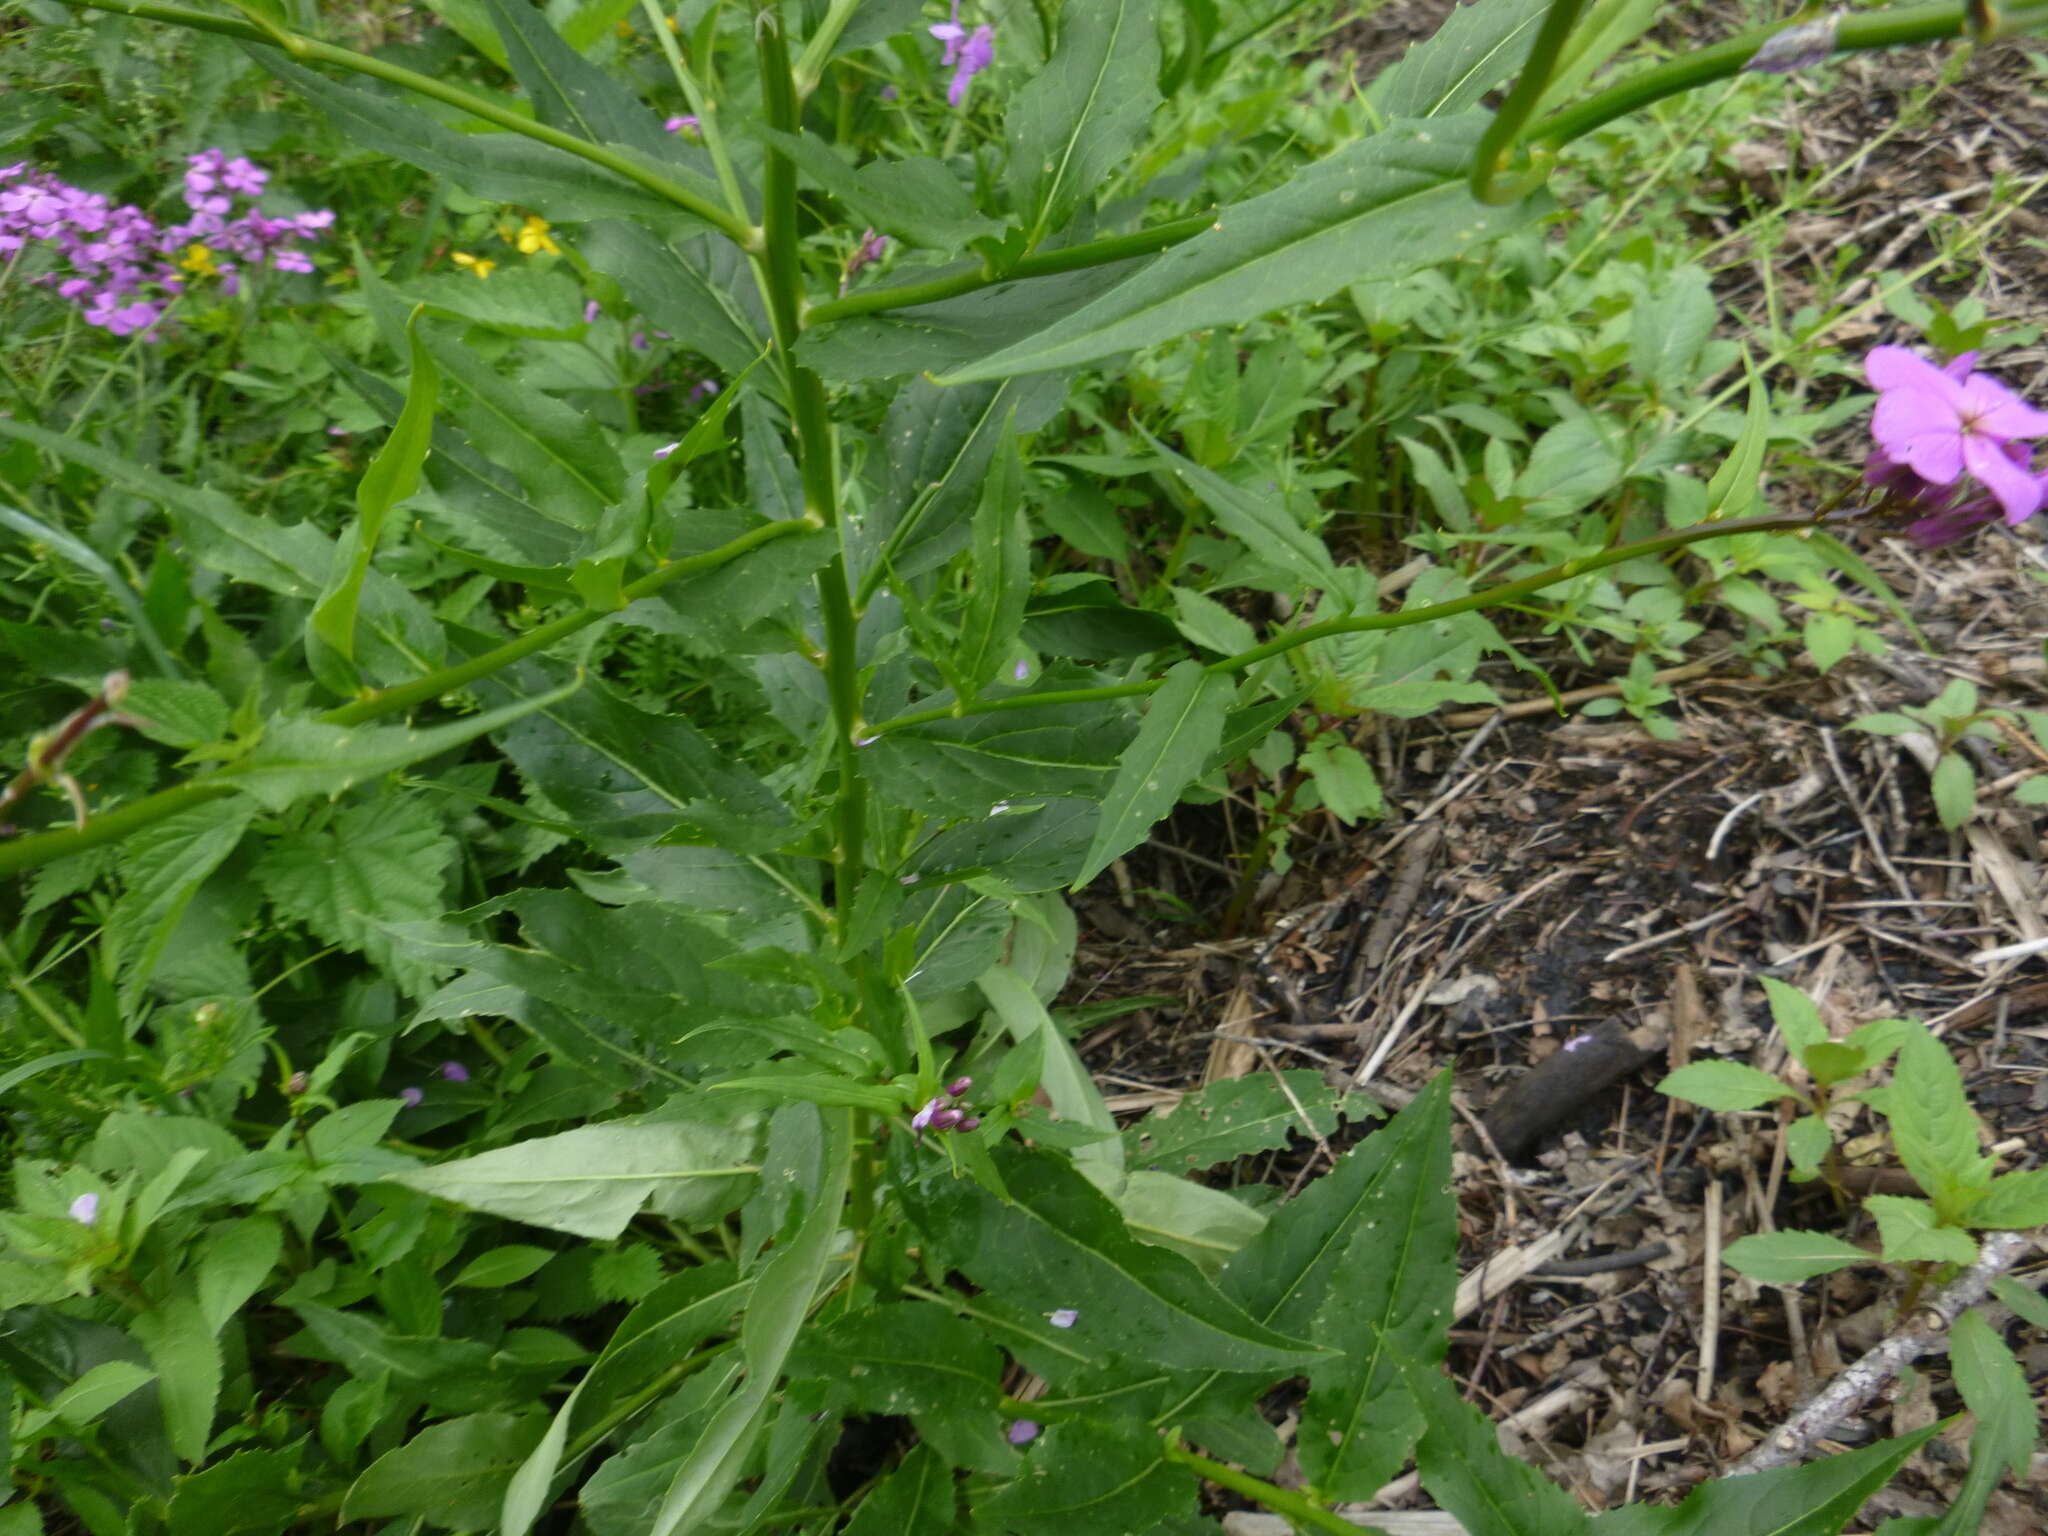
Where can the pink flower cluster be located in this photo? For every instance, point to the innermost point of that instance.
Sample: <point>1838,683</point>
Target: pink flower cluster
<point>966,53</point>
<point>1937,430</point>
<point>121,267</point>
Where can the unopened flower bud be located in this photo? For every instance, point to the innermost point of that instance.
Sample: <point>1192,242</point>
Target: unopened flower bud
<point>969,1123</point>
<point>296,1084</point>
<point>115,688</point>
<point>946,1119</point>
<point>1799,46</point>
<point>958,1086</point>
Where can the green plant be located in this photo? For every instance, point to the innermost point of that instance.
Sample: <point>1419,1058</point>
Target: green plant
<point>726,890</point>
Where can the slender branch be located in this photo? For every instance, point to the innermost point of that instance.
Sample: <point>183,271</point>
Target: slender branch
<point>1095,253</point>
<point>1489,597</point>
<point>1793,1440</point>
<point>312,49</point>
<point>1497,145</point>
<point>817,453</point>
<point>1296,1506</point>
<point>1873,29</point>
<point>44,847</point>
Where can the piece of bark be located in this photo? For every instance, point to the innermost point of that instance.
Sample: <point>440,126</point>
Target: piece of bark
<point>1556,1089</point>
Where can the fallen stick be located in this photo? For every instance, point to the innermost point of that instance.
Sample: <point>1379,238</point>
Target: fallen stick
<point>1791,1441</point>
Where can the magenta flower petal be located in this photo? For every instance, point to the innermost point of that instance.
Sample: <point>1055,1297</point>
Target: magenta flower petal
<point>1995,411</point>
<point>1890,368</point>
<point>1992,467</point>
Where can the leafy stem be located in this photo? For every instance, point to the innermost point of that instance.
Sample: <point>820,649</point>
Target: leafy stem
<point>1297,1507</point>
<point>1507,592</point>
<point>312,50</point>
<point>1497,147</point>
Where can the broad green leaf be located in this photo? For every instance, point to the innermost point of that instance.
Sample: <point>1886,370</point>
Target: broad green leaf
<point>562,456</point>
<point>1817,1499</point>
<point>1667,328</point>
<point>1994,1387</point>
<point>698,290</point>
<point>179,714</point>
<point>1476,48</point>
<point>1796,1017</point>
<point>917,200</point>
<point>1833,1062</point>
<point>1066,1081</point>
<point>1954,783</point>
<point>781,1301</point>
<point>1807,1140</point>
<point>1388,1317</point>
<point>1090,1477</point>
<point>1723,1085</point>
<point>919,1498</point>
<point>300,757</point>
<point>380,862</point>
<point>1377,208</point>
<point>626,778</point>
<point>1081,615</point>
<point>1932,1123</point>
<point>505,1265</point>
<point>1211,625</point>
<point>1234,1118</point>
<point>916,1359</point>
<point>453,1473</point>
<point>938,446</point>
<point>1057,1243</point>
<point>1344,780</point>
<point>1910,1234</point>
<point>999,573</point>
<point>1181,728</point>
<point>1203,1225</point>
<point>233,1264</point>
<point>84,1401</point>
<point>1788,1258</point>
<point>162,873</point>
<point>188,1369</point>
<point>497,166</point>
<point>1074,125</point>
<point>973,765</point>
<point>2027,1302</point>
<point>251,1493</point>
<point>1468,1474</point>
<point>568,91</point>
<point>393,476</point>
<point>2012,1200</point>
<point>1035,847</point>
<point>925,337</point>
<point>1264,527</point>
<point>544,303</point>
<point>593,1180</point>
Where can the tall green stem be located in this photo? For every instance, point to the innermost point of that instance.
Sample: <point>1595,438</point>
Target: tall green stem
<point>817,454</point>
<point>1497,146</point>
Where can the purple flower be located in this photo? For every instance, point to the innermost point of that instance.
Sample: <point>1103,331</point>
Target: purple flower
<point>958,1086</point>
<point>85,1210</point>
<point>1943,423</point>
<point>925,1116</point>
<point>1023,1432</point>
<point>946,1119</point>
<point>1065,1317</point>
<point>454,1072</point>
<point>667,448</point>
<point>969,53</point>
<point>591,310</point>
<point>1021,672</point>
<point>971,1123</point>
<point>703,389</point>
<point>413,1097</point>
<point>686,123</point>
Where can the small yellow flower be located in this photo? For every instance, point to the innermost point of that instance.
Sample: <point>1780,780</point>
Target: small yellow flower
<point>198,260</point>
<point>533,237</point>
<point>482,266</point>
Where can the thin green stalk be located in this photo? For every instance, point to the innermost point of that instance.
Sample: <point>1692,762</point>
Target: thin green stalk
<point>1874,29</point>
<point>1296,1506</point>
<point>1095,253</point>
<point>1497,145</point>
<point>313,50</point>
<point>1490,597</point>
<point>28,852</point>
<point>781,267</point>
<point>704,104</point>
<point>810,66</point>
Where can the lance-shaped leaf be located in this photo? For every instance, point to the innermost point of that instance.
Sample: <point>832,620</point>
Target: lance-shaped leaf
<point>1376,209</point>
<point>499,167</point>
<point>1817,1499</point>
<point>919,200</point>
<point>568,91</point>
<point>1058,1243</point>
<point>1233,1118</point>
<point>392,476</point>
<point>562,456</point>
<point>699,291</point>
<point>979,763</point>
<point>1000,571</point>
<point>1468,1474</point>
<point>1476,48</point>
<point>1180,730</point>
<point>1092,1477</point>
<point>592,1181</point>
<point>1078,119</point>
<point>1260,522</point>
<point>1388,1315</point>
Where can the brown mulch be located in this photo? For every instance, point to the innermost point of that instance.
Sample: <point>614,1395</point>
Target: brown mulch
<point>1538,880</point>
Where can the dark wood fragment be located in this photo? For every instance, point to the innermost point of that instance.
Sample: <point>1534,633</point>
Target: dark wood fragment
<point>1556,1089</point>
